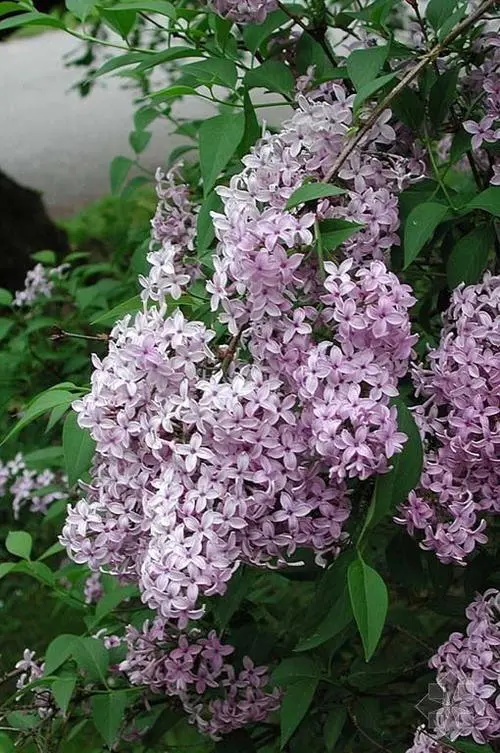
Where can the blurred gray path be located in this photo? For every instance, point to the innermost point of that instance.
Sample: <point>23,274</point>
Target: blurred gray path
<point>54,140</point>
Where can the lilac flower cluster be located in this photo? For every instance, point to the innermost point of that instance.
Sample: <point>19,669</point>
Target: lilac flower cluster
<point>244,11</point>
<point>423,742</point>
<point>172,241</point>
<point>31,671</point>
<point>92,588</point>
<point>486,79</point>
<point>468,668</point>
<point>460,423</point>
<point>27,486</point>
<point>39,283</point>
<point>186,666</point>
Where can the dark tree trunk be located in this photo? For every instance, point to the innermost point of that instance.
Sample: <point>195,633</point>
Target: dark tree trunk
<point>25,227</point>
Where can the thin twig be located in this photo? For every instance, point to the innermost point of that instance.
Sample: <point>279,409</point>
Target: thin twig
<point>429,57</point>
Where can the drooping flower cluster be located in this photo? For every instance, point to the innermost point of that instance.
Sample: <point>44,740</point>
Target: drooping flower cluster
<point>461,426</point>
<point>486,81</point>
<point>92,588</point>
<point>468,668</point>
<point>244,11</point>
<point>172,241</point>
<point>28,487</point>
<point>187,666</point>
<point>39,283</point>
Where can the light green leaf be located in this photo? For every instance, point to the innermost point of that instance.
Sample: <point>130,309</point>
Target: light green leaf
<point>139,140</point>
<point>369,601</point>
<point>364,65</point>
<point>212,71</point>
<point>58,651</point>
<point>312,192</point>
<point>6,568</point>
<point>92,657</point>
<point>255,34</point>
<point>121,21</point>
<point>80,8</point>
<point>118,171</point>
<point>469,256</point>
<point>370,88</point>
<point>131,306</point>
<point>162,7</point>
<point>107,714</point>
<point>45,257</point>
<point>420,226</point>
<point>19,543</point>
<point>173,92</point>
<point>219,138</point>
<point>273,76</point>
<point>120,61</point>
<point>335,232</point>
<point>32,18</point>
<point>56,548</point>
<point>40,405</point>
<point>5,327</point>
<point>6,297</point>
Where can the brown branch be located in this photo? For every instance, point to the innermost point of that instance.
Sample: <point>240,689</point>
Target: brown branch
<point>429,57</point>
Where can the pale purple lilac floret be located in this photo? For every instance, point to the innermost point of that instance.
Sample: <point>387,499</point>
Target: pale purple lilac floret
<point>31,671</point>
<point>186,666</point>
<point>468,672</point>
<point>425,742</point>
<point>460,422</point>
<point>93,588</point>
<point>244,11</point>
<point>39,283</point>
<point>27,486</point>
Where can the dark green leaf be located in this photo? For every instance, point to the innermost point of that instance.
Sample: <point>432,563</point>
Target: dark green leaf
<point>273,76</point>
<point>162,7</point>
<point>309,52</point>
<point>253,131</point>
<point>107,714</point>
<point>488,200</point>
<point>370,88</point>
<point>19,543</point>
<point>139,140</point>
<point>466,745</point>
<point>173,92</point>
<point>21,720</point>
<point>460,145</point>
<point>228,604</point>
<point>419,228</point>
<point>132,306</point>
<point>120,21</point>
<point>364,65</point>
<point>219,138</point>
<point>80,8</point>
<point>79,448</point>
<point>333,727</point>
<point>442,94</point>
<point>469,256</point>
<point>120,61</point>
<point>339,616</point>
<point>205,232</point>
<point>5,327</point>
<point>294,705</point>
<point>62,690</point>
<point>335,232</point>
<point>409,108</point>
<point>144,117</point>
<point>255,34</point>
<point>212,71</point>
<point>369,601</point>
<point>32,18</point>
<point>40,405</point>
<point>295,668</point>
<point>311,192</point>
<point>438,11</point>
<point>5,297</point>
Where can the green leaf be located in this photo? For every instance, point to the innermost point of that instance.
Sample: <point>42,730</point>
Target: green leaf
<point>441,96</point>
<point>438,11</point>
<point>62,690</point>
<point>58,651</point>
<point>370,88</point>
<point>173,92</point>
<point>253,131</point>
<point>56,415</point>
<point>311,192</point>
<point>121,21</point>
<point>6,568</point>
<point>144,117</point>
<point>32,18</point>
<point>118,171</point>
<point>363,66</point>
<point>109,601</point>
<point>139,140</point>
<point>165,56</point>
<point>469,256</point>
<point>120,61</point>
<point>466,745</point>
<point>488,200</point>
<point>294,705</point>
<point>295,668</point>
<point>45,257</point>
<point>228,604</point>
<point>273,76</point>
<point>162,7</point>
<point>131,306</point>
<point>80,8</point>
<point>392,488</point>
<point>335,232</point>
<point>8,7</point>
<point>419,228</point>
<point>369,601</point>
<point>40,405</point>
<point>108,714</point>
<point>37,570</point>
<point>5,327</point>
<point>255,34</point>
<point>219,138</point>
<point>333,727</point>
<point>78,447</point>
<point>6,297</point>
<point>212,71</point>
<point>6,744</point>
<point>205,232</point>
<point>339,617</point>
<point>309,52</point>
<point>409,108</point>
<point>21,720</point>
<point>19,543</point>
<point>92,657</point>
<point>56,548</point>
